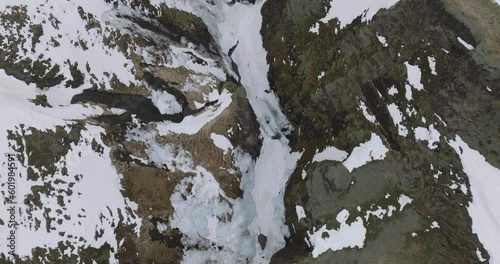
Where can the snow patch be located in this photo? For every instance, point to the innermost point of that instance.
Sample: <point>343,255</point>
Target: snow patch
<point>465,44</point>
<point>321,75</point>
<point>330,153</point>
<point>347,11</point>
<point>432,64</point>
<point>408,92</point>
<point>347,236</point>
<point>314,28</point>
<point>165,102</point>
<point>117,111</point>
<point>382,40</point>
<point>404,200</point>
<point>373,149</point>
<point>397,118</point>
<point>380,212</point>
<point>300,212</point>
<point>221,142</point>
<point>95,204</point>
<point>371,118</point>
<point>484,210</point>
<point>431,135</point>
<point>480,256</point>
<point>414,76</point>
<point>190,125</point>
<point>202,215</point>
<point>392,91</point>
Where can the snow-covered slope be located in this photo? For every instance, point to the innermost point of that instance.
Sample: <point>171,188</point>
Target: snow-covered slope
<point>79,201</point>
<point>85,194</point>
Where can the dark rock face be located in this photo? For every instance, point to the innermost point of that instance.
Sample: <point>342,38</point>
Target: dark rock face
<point>248,138</point>
<point>171,23</point>
<point>133,104</point>
<point>326,112</point>
<point>262,241</point>
<point>246,2</point>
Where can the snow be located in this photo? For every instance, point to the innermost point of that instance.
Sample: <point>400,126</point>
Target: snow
<point>411,111</point>
<point>371,118</point>
<point>100,58</point>
<point>484,184</point>
<point>391,209</point>
<point>117,111</point>
<point>373,149</point>
<point>380,212</point>
<point>303,174</point>
<point>242,23</point>
<point>221,142</point>
<point>180,58</point>
<point>261,191</point>
<point>414,76</point>
<point>261,210</point>
<point>96,194</point>
<point>382,40</point>
<point>300,212</point>
<point>347,11</point>
<point>431,135</point>
<point>479,255</point>
<point>432,64</point>
<point>330,153</point>
<point>393,91</point>
<point>404,200</point>
<point>464,189</point>
<point>314,28</point>
<point>347,236</point>
<point>165,102</point>
<point>170,155</point>
<point>437,174</point>
<point>408,92</point>
<point>264,180</point>
<point>99,189</point>
<point>465,44</point>
<point>205,215</point>
<point>441,120</point>
<point>191,125</point>
<point>197,215</point>
<point>272,170</point>
<point>397,118</point>
<point>321,75</point>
